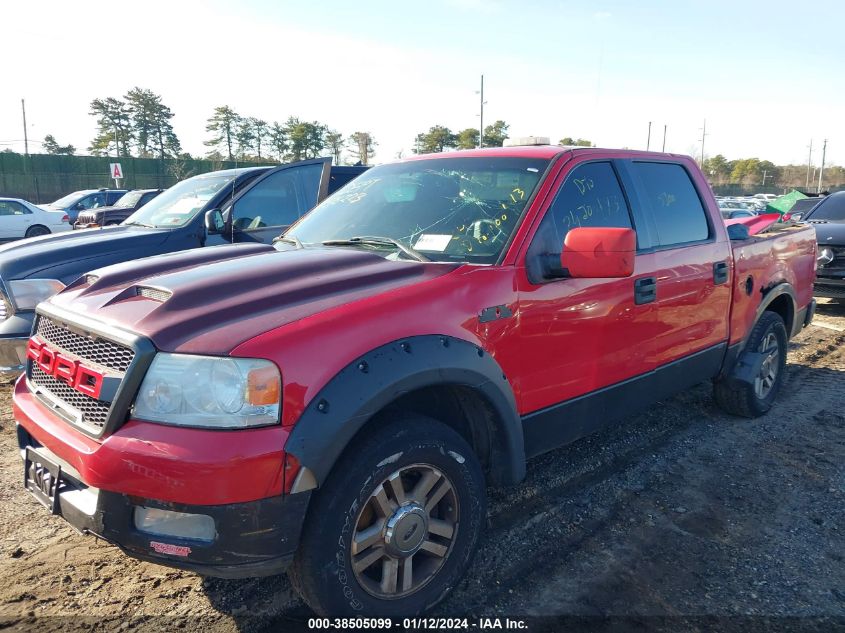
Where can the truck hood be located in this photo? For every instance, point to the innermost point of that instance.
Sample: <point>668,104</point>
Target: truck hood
<point>210,300</point>
<point>45,256</point>
<point>829,233</point>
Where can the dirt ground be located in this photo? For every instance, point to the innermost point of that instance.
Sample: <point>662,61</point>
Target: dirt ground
<point>682,512</point>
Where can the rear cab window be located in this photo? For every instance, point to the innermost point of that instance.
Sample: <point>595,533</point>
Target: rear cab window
<point>678,213</point>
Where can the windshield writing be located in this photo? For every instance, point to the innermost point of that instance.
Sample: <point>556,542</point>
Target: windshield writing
<point>450,209</point>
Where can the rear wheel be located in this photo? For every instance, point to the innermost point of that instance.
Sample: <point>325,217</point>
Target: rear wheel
<point>754,398</point>
<point>396,524</point>
<point>35,231</point>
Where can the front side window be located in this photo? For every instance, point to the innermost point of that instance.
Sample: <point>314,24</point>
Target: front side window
<point>91,202</point>
<point>678,214</point>
<point>448,209</point>
<point>590,197</point>
<point>280,199</point>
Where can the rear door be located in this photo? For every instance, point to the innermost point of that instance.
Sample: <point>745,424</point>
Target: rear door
<point>277,199</point>
<point>693,268</point>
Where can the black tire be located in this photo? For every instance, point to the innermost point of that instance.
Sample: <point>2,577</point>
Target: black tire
<point>742,398</point>
<point>35,231</point>
<point>322,571</point>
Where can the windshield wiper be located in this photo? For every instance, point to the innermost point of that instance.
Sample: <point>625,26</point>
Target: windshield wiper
<point>289,239</point>
<point>149,226</point>
<point>377,241</point>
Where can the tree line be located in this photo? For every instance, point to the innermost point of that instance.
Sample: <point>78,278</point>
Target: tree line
<point>248,138</point>
<point>753,171</point>
<point>139,124</point>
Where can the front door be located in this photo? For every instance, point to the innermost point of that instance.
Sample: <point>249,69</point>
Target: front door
<point>277,199</point>
<point>580,338</point>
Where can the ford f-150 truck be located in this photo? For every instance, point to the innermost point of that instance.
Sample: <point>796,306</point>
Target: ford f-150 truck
<point>336,404</point>
<point>251,204</point>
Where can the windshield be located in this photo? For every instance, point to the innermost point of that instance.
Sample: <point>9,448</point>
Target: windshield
<point>449,209</point>
<point>68,200</point>
<point>831,208</point>
<point>180,204</point>
<point>128,200</point>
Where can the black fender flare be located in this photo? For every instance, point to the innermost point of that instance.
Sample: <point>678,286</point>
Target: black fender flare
<point>738,363</point>
<point>769,296</point>
<point>371,382</point>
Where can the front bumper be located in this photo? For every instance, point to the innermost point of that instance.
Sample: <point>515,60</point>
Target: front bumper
<point>14,333</point>
<point>234,480</point>
<point>830,287</point>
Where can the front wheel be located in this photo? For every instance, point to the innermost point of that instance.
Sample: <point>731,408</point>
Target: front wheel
<point>755,397</point>
<point>396,524</point>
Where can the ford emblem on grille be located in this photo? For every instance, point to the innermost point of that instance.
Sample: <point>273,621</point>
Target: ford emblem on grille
<point>86,380</point>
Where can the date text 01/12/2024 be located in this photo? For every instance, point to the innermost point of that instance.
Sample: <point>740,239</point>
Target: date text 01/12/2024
<point>315,624</point>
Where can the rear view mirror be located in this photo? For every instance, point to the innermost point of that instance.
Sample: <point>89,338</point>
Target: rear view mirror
<point>599,252</point>
<point>214,222</point>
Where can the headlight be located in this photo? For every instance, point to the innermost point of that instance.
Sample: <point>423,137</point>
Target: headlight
<point>825,256</point>
<point>28,293</point>
<point>210,391</point>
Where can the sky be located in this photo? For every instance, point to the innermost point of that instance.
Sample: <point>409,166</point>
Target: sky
<point>766,76</point>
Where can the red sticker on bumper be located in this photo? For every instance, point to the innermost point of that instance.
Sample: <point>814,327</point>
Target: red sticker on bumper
<point>167,548</point>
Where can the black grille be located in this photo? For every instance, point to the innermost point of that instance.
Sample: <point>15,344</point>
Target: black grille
<point>99,351</point>
<point>94,413</point>
<point>825,290</point>
<point>107,356</point>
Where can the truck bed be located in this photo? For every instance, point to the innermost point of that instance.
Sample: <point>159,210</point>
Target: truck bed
<point>781,253</point>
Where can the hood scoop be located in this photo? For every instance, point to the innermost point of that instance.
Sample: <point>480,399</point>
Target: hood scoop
<point>147,292</point>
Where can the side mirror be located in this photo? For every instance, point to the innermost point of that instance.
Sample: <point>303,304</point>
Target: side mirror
<point>599,252</point>
<point>214,222</point>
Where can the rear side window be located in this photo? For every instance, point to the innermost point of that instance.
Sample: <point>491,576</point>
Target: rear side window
<point>590,197</point>
<point>339,179</point>
<point>678,214</point>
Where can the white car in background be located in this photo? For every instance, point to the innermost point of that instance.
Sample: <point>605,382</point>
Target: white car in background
<point>19,218</point>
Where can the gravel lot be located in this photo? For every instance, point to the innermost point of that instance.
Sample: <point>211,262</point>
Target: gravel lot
<point>678,517</point>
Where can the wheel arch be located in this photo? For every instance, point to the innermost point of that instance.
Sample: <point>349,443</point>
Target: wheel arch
<point>443,377</point>
<point>38,226</point>
<point>780,299</point>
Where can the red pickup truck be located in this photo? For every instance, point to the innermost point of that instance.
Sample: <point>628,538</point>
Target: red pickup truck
<point>336,404</point>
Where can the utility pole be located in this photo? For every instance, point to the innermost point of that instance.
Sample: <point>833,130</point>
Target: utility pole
<point>809,163</point>
<point>703,136</point>
<point>648,141</point>
<point>25,137</point>
<point>764,177</point>
<point>664,138</point>
<point>481,115</point>
<point>821,169</point>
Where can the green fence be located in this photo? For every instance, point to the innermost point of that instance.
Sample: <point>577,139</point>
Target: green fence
<point>43,178</point>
